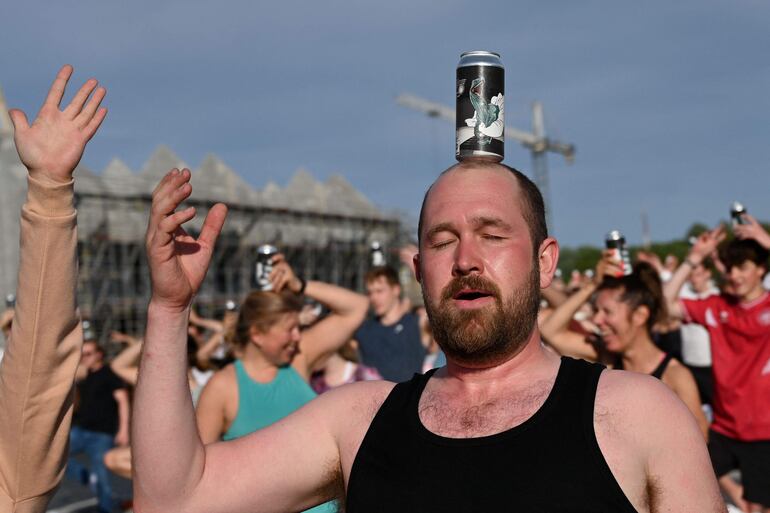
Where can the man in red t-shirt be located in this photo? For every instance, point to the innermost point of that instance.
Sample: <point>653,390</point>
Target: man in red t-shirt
<point>739,326</point>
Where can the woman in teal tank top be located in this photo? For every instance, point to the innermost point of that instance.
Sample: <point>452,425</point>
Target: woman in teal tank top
<point>269,380</point>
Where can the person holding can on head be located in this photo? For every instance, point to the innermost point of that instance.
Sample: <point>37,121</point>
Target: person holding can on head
<point>269,379</point>
<point>505,422</point>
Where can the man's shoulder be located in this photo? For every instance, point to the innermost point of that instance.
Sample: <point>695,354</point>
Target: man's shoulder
<point>357,402</point>
<point>633,396</point>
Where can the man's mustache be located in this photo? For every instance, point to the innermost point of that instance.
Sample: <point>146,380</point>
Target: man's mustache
<point>472,282</point>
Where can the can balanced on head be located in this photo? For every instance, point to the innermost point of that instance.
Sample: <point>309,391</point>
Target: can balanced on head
<point>480,115</point>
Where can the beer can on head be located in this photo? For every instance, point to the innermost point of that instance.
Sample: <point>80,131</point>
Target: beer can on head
<point>377,257</point>
<point>265,254</point>
<point>480,115</point>
<point>736,213</point>
<point>617,244</point>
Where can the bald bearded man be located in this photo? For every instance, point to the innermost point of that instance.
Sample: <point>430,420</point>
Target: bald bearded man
<point>505,425</point>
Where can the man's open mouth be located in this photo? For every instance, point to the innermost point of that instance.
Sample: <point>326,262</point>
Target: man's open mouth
<point>472,295</point>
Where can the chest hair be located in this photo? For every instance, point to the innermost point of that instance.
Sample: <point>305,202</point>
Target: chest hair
<point>455,417</point>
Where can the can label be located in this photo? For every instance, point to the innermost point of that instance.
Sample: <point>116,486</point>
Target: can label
<point>480,122</point>
<point>622,257</point>
<point>265,256</point>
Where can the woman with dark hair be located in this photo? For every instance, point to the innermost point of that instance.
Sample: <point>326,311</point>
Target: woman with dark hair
<point>626,309</point>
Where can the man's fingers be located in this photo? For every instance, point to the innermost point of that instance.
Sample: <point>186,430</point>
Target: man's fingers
<point>88,111</point>
<point>76,105</point>
<point>59,84</point>
<point>213,224</point>
<point>95,123</point>
<point>170,192</point>
<point>171,223</point>
<point>19,120</point>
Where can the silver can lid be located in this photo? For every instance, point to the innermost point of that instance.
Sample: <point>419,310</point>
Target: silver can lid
<point>267,249</point>
<point>737,207</point>
<point>480,58</point>
<point>615,235</point>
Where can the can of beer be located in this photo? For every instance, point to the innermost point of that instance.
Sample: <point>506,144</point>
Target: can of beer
<point>617,244</point>
<point>480,115</point>
<point>10,300</point>
<point>736,213</point>
<point>89,334</point>
<point>377,257</point>
<point>265,254</point>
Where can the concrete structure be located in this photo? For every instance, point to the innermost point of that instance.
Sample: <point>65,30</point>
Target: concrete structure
<point>325,229</point>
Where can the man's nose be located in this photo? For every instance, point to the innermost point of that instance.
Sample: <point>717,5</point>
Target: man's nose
<point>467,259</point>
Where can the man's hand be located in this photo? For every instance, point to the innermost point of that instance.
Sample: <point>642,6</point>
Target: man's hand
<point>54,143</point>
<point>178,262</point>
<point>706,244</point>
<point>752,230</point>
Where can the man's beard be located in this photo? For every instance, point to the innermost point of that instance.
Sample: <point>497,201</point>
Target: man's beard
<point>485,335</point>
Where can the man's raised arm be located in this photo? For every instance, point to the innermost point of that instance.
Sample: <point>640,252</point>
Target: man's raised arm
<point>705,245</point>
<point>38,369</point>
<point>288,466</point>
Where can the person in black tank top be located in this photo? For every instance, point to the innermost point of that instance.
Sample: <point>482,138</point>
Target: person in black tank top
<point>507,425</point>
<point>626,309</point>
<point>551,462</point>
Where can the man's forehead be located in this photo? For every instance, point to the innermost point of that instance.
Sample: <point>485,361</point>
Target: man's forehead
<point>487,189</point>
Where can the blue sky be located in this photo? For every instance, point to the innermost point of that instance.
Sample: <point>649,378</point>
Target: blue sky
<point>668,103</point>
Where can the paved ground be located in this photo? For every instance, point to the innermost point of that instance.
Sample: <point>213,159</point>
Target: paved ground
<point>72,497</point>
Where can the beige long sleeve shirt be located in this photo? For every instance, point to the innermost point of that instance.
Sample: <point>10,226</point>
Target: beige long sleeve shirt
<point>38,369</point>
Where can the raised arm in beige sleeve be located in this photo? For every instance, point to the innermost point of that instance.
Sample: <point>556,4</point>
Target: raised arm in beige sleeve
<point>37,371</point>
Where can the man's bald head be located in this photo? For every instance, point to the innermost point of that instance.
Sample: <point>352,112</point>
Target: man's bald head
<point>530,199</point>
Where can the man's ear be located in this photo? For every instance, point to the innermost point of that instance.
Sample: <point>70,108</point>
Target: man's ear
<point>548,259</point>
<point>416,263</point>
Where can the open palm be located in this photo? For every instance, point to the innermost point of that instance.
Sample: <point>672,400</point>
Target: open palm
<point>54,143</point>
<point>178,261</point>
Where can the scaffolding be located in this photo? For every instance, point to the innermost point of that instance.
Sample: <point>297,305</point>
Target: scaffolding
<point>324,229</point>
<point>114,285</point>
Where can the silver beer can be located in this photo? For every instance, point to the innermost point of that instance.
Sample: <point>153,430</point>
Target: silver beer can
<point>265,254</point>
<point>736,213</point>
<point>617,244</point>
<point>480,114</point>
<point>377,257</point>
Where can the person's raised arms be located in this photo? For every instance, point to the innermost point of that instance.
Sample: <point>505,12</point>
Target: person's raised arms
<point>555,327</point>
<point>43,351</point>
<point>168,455</point>
<point>752,230</point>
<point>53,144</point>
<point>348,310</point>
<point>705,245</point>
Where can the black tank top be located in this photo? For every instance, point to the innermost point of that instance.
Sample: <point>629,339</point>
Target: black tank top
<point>659,370</point>
<point>551,463</point>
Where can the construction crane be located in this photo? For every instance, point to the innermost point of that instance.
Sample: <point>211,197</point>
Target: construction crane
<point>536,141</point>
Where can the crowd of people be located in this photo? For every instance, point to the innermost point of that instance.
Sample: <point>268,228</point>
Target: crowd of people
<point>615,391</point>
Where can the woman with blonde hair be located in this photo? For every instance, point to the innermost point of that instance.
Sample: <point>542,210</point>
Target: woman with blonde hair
<point>269,380</point>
